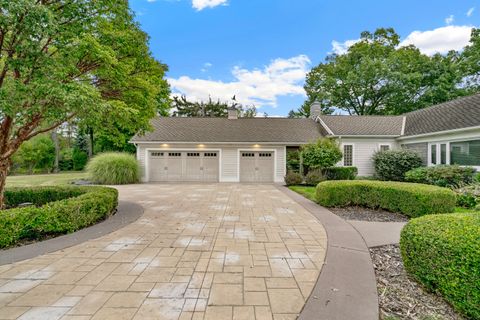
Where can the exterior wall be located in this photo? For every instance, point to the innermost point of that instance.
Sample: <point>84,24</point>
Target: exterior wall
<point>442,138</point>
<point>363,150</point>
<point>421,148</point>
<point>229,157</point>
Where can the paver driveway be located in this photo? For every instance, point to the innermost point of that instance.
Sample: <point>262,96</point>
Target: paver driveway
<point>216,251</point>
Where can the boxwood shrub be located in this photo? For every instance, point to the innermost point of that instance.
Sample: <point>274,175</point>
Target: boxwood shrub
<point>72,208</point>
<point>452,176</point>
<point>443,253</point>
<point>411,199</point>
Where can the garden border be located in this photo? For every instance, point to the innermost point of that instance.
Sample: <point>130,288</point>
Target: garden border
<point>127,212</point>
<point>346,287</point>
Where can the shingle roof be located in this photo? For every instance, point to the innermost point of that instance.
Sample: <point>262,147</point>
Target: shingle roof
<point>344,125</point>
<point>460,113</point>
<point>179,129</point>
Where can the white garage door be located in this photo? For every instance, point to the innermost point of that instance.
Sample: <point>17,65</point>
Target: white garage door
<point>256,166</point>
<point>183,166</point>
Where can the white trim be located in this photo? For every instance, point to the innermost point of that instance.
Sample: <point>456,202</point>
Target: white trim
<point>293,144</point>
<point>322,123</point>
<point>353,153</point>
<point>365,136</point>
<point>275,155</point>
<point>404,121</point>
<point>384,144</point>
<point>147,159</point>
<point>439,132</point>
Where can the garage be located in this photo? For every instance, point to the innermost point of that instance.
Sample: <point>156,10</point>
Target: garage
<point>256,166</point>
<point>184,166</point>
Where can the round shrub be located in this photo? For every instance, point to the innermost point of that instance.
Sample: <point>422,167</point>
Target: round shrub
<point>70,208</point>
<point>314,177</point>
<point>322,154</point>
<point>443,176</point>
<point>391,165</point>
<point>114,168</point>
<point>443,253</point>
<point>340,173</point>
<point>293,178</point>
<point>411,199</point>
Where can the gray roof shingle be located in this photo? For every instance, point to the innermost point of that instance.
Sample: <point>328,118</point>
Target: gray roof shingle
<point>456,114</point>
<point>179,129</point>
<point>344,125</point>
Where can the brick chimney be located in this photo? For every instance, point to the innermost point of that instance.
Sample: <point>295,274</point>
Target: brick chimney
<point>232,113</point>
<point>315,110</point>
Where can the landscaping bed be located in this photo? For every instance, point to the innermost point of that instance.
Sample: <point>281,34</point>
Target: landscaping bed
<point>401,297</point>
<point>366,214</point>
<point>52,211</point>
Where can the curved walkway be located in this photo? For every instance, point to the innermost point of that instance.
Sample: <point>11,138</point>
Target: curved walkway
<point>346,288</point>
<point>199,252</point>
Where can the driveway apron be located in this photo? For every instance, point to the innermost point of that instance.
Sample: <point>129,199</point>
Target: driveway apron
<point>200,251</point>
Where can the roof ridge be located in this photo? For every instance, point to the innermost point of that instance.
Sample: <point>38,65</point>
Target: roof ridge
<point>442,104</point>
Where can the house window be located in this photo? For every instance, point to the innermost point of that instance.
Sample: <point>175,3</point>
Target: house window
<point>348,155</point>
<point>384,147</point>
<point>443,153</point>
<point>433,154</point>
<point>465,153</point>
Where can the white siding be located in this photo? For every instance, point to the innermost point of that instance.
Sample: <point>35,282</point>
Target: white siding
<point>229,157</point>
<point>363,150</point>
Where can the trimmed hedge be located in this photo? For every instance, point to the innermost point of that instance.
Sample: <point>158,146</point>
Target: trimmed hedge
<point>411,199</point>
<point>452,176</point>
<point>72,208</point>
<point>443,253</point>
<point>340,173</point>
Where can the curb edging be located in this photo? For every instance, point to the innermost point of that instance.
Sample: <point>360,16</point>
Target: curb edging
<point>346,287</point>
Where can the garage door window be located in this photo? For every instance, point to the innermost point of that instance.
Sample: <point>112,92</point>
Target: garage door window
<point>193,154</point>
<point>210,154</point>
<point>265,155</point>
<point>157,154</point>
<point>174,154</point>
<point>248,154</point>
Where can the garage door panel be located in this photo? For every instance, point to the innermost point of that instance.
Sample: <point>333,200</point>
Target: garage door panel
<point>256,166</point>
<point>174,166</point>
<point>184,166</point>
<point>210,166</point>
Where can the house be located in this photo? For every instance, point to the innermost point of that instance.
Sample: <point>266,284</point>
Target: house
<point>236,149</point>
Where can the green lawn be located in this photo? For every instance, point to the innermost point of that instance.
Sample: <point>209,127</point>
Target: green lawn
<point>45,179</point>
<point>306,191</point>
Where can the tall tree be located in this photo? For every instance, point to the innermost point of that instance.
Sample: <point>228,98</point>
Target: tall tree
<point>61,60</point>
<point>185,108</point>
<point>376,76</point>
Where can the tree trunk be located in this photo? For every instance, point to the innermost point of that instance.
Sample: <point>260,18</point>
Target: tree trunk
<point>90,142</point>
<point>57,151</point>
<point>4,168</point>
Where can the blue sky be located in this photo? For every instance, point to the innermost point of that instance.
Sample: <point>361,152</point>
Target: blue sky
<point>260,50</point>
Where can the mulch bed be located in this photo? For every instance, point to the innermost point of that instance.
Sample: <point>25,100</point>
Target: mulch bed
<point>365,214</point>
<point>399,296</point>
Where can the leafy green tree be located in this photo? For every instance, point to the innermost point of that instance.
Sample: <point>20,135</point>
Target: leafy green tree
<point>185,108</point>
<point>61,60</point>
<point>470,61</point>
<point>324,153</point>
<point>376,76</point>
<point>37,153</point>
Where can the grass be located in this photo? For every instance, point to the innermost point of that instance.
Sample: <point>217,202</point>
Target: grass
<point>45,179</point>
<point>306,191</point>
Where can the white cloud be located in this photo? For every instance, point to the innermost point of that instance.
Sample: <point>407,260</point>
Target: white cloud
<point>470,11</point>
<point>206,66</point>
<point>449,20</point>
<point>202,4</point>
<point>261,87</point>
<point>439,40</point>
<point>342,47</point>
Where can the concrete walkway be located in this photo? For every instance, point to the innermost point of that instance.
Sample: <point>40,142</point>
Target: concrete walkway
<point>199,252</point>
<point>378,233</point>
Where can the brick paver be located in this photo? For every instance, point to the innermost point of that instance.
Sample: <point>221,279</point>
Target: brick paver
<point>200,251</point>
